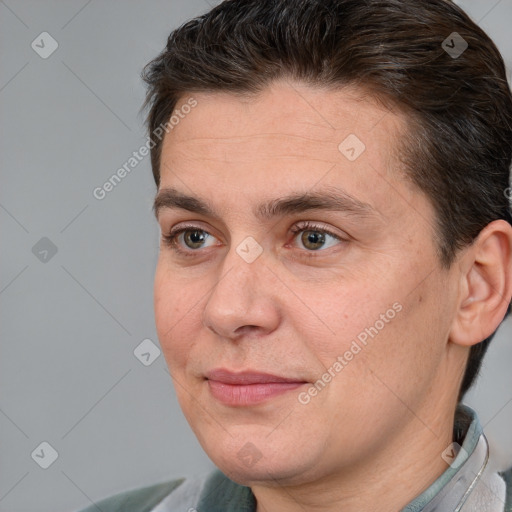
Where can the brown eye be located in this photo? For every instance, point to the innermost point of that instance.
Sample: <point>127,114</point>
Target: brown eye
<point>188,240</point>
<point>194,239</point>
<point>313,240</point>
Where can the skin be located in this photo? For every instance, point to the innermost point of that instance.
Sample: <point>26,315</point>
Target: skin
<point>372,438</point>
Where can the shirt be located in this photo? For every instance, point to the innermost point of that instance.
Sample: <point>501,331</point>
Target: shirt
<point>467,485</point>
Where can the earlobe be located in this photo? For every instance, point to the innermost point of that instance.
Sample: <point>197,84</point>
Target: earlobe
<point>485,286</point>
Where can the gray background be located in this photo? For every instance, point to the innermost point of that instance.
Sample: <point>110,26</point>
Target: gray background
<point>70,323</point>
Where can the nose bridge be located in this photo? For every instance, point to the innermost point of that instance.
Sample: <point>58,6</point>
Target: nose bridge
<point>240,297</point>
<point>237,286</point>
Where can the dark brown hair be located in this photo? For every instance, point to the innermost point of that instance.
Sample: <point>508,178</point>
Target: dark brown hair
<point>458,148</point>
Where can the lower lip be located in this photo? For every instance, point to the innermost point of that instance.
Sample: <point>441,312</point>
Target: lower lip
<point>249,394</point>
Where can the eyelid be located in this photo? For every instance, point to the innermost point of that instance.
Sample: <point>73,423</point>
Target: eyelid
<point>314,226</point>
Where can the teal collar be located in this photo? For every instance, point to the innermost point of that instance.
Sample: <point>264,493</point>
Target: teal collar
<point>451,490</point>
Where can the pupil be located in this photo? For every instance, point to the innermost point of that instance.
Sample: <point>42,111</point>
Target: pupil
<point>313,238</point>
<point>195,237</point>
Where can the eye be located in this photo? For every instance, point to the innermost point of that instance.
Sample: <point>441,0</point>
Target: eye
<point>194,239</point>
<point>314,238</point>
<point>188,239</point>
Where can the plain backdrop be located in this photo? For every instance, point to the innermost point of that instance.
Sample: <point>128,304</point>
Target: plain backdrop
<point>77,272</point>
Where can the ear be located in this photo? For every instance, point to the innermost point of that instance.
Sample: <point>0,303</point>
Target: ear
<point>485,285</point>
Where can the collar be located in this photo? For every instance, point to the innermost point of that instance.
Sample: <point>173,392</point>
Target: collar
<point>453,488</point>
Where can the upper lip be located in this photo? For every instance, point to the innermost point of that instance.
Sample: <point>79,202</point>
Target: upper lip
<point>247,377</point>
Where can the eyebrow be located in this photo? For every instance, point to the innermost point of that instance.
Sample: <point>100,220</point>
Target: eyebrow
<point>327,199</point>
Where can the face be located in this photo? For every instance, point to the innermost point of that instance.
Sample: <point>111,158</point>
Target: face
<point>299,299</point>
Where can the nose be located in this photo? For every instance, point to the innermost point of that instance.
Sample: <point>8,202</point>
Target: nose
<point>242,302</point>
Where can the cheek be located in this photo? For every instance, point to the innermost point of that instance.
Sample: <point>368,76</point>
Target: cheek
<point>165,305</point>
<point>352,308</point>
<point>405,355</point>
<point>175,307</point>
<point>375,320</point>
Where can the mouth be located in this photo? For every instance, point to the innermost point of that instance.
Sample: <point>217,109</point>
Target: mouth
<point>248,388</point>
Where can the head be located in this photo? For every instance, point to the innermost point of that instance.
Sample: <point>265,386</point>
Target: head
<point>283,107</point>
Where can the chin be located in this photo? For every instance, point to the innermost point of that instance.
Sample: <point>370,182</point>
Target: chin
<point>271,473</point>
<point>252,459</point>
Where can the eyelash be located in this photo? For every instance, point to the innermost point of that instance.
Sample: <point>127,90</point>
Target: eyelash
<point>170,240</point>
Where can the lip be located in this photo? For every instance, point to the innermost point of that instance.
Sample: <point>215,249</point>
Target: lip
<point>248,387</point>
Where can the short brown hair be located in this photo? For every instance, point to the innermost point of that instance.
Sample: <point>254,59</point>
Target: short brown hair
<point>458,149</point>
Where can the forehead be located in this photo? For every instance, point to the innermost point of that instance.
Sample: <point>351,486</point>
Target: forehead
<point>290,138</point>
<point>309,121</point>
